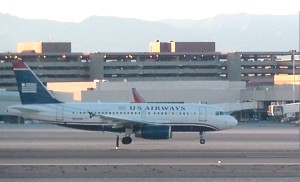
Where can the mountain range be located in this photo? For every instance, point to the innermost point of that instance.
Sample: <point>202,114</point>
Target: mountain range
<point>238,32</point>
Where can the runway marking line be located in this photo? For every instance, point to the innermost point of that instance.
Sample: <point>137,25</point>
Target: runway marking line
<point>156,164</point>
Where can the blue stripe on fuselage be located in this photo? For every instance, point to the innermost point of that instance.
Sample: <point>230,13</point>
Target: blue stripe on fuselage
<point>111,128</point>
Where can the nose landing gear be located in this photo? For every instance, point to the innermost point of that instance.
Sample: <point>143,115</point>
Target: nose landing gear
<point>202,140</point>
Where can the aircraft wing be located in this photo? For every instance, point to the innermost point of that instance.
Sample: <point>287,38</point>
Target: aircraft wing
<point>122,122</point>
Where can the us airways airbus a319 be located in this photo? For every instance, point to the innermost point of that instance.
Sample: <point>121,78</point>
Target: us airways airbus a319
<point>144,120</point>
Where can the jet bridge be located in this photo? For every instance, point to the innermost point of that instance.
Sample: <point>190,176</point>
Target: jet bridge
<point>242,110</point>
<point>238,106</point>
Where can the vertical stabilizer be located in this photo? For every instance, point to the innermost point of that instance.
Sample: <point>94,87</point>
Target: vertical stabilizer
<point>31,89</point>
<point>137,97</point>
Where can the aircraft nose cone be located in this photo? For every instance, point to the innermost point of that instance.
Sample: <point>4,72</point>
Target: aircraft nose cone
<point>233,122</point>
<point>230,122</point>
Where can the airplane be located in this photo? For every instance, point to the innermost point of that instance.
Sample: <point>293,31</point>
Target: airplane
<point>153,121</point>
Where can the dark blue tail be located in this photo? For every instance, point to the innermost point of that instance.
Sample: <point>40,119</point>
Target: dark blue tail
<point>30,88</point>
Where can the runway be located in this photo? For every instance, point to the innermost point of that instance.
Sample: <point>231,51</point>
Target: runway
<point>249,150</point>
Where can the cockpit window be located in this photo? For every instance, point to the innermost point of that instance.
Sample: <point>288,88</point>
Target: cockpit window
<point>218,113</point>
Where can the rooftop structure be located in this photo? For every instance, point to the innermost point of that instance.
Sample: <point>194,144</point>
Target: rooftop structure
<point>44,47</point>
<point>182,47</point>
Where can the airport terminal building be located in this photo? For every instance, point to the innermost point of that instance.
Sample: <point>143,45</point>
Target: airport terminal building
<point>169,72</point>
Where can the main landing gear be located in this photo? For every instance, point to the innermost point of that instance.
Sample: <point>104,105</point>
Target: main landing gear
<point>202,140</point>
<point>125,140</point>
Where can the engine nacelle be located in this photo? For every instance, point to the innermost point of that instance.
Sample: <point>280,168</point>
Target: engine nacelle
<point>154,132</point>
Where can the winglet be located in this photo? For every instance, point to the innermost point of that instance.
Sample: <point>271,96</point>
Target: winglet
<point>31,89</point>
<point>137,96</point>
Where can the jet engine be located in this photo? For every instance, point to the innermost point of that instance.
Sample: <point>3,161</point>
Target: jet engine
<point>154,132</point>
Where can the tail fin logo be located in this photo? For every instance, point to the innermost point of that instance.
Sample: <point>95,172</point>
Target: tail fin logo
<point>29,88</point>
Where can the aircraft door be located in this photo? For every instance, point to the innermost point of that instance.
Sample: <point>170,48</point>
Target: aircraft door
<point>202,113</point>
<point>143,114</point>
<point>59,113</point>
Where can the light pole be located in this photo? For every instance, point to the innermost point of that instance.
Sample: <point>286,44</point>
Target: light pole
<point>293,60</point>
<point>293,76</point>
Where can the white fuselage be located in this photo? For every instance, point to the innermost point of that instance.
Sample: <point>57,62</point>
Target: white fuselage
<point>175,115</point>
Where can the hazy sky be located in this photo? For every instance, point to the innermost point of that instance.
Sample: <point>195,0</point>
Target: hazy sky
<point>76,11</point>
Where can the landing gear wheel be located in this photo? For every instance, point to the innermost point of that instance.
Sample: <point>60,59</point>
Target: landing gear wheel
<point>126,140</point>
<point>202,141</point>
